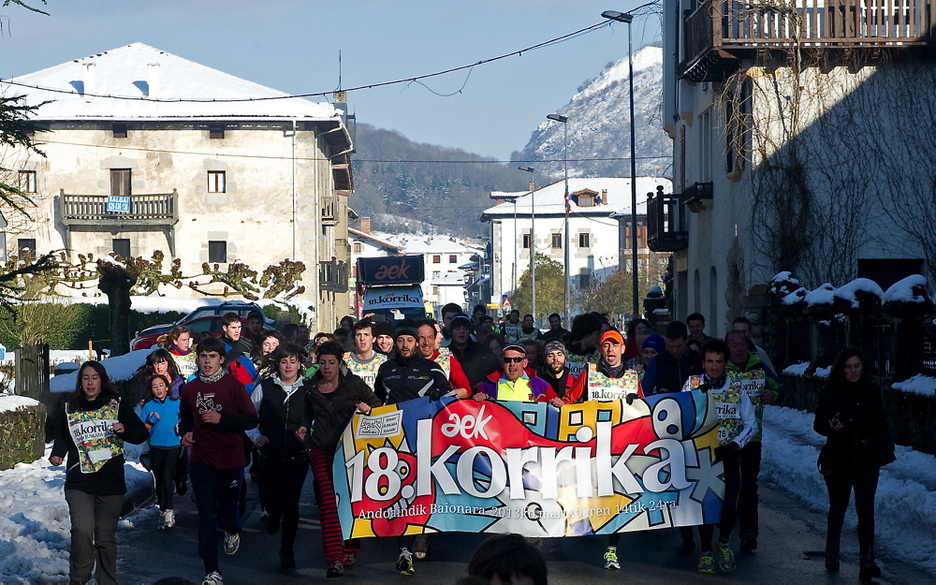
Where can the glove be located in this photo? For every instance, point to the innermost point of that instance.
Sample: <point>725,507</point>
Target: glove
<point>630,398</point>
<point>152,418</point>
<point>726,452</point>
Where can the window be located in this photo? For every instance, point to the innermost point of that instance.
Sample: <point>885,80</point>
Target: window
<point>453,258</point>
<point>119,129</point>
<point>121,247</point>
<point>737,121</point>
<point>584,240</point>
<point>216,131</point>
<point>120,182</point>
<point>217,252</point>
<point>586,201</point>
<point>27,182</point>
<point>26,247</point>
<point>557,241</point>
<point>357,247</point>
<point>437,259</point>
<point>526,241</point>
<point>217,182</point>
<point>436,273</point>
<point>705,147</point>
<point>435,290</point>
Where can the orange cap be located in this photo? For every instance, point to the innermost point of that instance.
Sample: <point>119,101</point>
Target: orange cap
<point>612,335</point>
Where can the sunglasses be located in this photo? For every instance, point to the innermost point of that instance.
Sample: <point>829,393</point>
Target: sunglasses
<point>515,360</point>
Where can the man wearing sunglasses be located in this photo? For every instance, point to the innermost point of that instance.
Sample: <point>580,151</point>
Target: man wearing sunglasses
<point>514,382</point>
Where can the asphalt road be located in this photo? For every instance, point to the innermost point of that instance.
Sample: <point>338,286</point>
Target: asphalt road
<point>789,533</point>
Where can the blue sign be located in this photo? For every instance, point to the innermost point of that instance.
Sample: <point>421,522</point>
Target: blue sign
<point>117,204</point>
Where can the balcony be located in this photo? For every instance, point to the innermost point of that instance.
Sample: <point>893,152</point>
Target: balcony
<point>333,276</point>
<point>698,197</point>
<point>104,213</point>
<point>666,222</point>
<point>718,33</point>
<point>329,209</point>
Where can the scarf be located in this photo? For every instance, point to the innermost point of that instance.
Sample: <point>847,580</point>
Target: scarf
<point>611,371</point>
<point>212,378</point>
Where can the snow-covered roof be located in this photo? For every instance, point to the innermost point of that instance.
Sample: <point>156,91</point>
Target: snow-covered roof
<point>155,80</point>
<point>358,234</point>
<point>550,199</point>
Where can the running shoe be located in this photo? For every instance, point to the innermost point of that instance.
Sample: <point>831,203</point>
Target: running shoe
<point>404,564</point>
<point>726,558</point>
<point>334,570</point>
<point>611,560</point>
<point>212,578</point>
<point>350,559</point>
<point>231,542</point>
<point>706,563</point>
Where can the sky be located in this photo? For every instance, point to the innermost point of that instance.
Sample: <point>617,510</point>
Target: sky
<point>295,45</point>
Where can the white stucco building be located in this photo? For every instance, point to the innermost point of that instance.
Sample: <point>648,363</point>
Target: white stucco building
<point>598,242</point>
<point>802,142</point>
<point>148,151</point>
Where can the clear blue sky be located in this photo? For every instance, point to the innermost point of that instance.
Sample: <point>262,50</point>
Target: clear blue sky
<point>293,46</point>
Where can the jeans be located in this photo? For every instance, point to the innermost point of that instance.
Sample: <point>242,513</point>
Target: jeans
<point>93,527</point>
<point>215,489</point>
<point>840,484</point>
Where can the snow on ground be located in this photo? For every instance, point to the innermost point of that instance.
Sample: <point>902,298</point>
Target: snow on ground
<point>905,513</point>
<point>34,522</point>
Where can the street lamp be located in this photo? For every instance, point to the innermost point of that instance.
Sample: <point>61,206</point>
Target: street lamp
<point>628,19</point>
<point>565,243</point>
<point>532,238</point>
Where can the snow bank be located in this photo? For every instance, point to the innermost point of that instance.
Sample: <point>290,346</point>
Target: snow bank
<point>848,291</point>
<point>903,290</point>
<point>796,369</point>
<point>118,368</point>
<point>11,402</point>
<point>918,384</point>
<point>824,295</point>
<point>822,372</point>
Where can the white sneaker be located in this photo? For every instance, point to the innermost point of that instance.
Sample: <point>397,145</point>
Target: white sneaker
<point>212,578</point>
<point>231,542</point>
<point>168,518</point>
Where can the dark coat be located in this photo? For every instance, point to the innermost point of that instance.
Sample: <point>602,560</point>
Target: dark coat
<point>328,417</point>
<point>860,409</point>
<point>280,418</point>
<point>109,479</point>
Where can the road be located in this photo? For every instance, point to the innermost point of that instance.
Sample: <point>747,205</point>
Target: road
<point>788,534</point>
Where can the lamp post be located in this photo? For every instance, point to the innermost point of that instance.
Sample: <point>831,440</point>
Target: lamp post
<point>532,239</point>
<point>565,238</point>
<point>628,19</point>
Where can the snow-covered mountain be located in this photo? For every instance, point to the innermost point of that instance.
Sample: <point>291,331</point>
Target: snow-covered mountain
<point>599,125</point>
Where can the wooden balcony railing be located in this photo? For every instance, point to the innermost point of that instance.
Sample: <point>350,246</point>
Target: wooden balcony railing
<point>666,222</point>
<point>729,25</point>
<point>333,275</point>
<point>155,210</point>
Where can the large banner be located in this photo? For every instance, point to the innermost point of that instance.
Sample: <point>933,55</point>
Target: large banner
<point>592,468</point>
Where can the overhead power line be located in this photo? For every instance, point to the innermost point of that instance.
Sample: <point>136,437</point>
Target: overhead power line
<point>416,79</point>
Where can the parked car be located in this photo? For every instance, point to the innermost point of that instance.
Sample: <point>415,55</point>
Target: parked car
<point>211,323</point>
<point>147,337</point>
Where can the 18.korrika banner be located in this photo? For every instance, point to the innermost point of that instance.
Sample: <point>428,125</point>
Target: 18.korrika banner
<point>452,465</point>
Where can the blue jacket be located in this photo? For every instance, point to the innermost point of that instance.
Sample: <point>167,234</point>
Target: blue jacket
<point>163,433</point>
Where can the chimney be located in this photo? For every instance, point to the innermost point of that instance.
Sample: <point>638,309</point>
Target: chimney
<point>604,196</point>
<point>365,225</point>
<point>153,72</point>
<point>90,85</point>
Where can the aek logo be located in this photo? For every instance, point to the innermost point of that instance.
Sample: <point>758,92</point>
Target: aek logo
<point>392,271</point>
<point>468,426</point>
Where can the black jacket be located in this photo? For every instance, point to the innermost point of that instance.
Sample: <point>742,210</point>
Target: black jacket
<point>328,417</point>
<point>280,417</point>
<point>671,373</point>
<point>477,360</point>
<point>861,411</point>
<point>109,479</point>
<point>399,380</point>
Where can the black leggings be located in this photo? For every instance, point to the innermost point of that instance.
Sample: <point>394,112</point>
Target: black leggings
<point>840,484</point>
<point>281,479</point>
<point>164,460</point>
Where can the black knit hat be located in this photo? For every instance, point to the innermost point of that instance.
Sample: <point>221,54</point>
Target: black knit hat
<point>384,328</point>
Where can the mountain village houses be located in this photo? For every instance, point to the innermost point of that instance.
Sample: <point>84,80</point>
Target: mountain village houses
<point>599,230</point>
<point>803,142</point>
<point>149,151</point>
